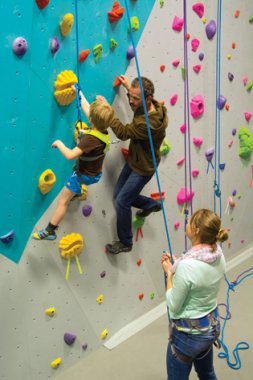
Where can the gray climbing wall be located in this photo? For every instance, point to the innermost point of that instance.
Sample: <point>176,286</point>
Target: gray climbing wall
<point>32,339</point>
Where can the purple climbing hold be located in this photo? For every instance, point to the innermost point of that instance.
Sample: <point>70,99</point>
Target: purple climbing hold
<point>209,153</point>
<point>234,131</point>
<point>87,209</point>
<point>19,46</point>
<point>7,238</point>
<point>222,166</point>
<point>102,274</point>
<point>130,52</point>
<point>230,76</point>
<point>221,101</point>
<point>85,346</point>
<point>234,193</point>
<point>54,45</point>
<point>211,29</point>
<point>201,56</point>
<point>69,338</point>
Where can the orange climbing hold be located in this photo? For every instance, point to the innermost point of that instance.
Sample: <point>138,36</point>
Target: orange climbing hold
<point>117,82</point>
<point>83,55</point>
<point>116,13</point>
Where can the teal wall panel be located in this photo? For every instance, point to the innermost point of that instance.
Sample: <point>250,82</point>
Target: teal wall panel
<point>30,118</point>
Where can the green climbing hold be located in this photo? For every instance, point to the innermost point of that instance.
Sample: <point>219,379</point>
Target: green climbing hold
<point>251,19</point>
<point>98,51</point>
<point>138,222</point>
<point>249,86</point>
<point>134,24</point>
<point>246,142</point>
<point>113,44</point>
<point>165,147</point>
<point>161,3</point>
<point>183,73</point>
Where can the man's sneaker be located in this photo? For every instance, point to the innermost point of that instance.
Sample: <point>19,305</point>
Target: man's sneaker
<point>44,235</point>
<point>144,213</point>
<point>117,247</point>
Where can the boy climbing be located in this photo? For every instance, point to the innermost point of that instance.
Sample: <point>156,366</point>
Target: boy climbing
<point>90,152</point>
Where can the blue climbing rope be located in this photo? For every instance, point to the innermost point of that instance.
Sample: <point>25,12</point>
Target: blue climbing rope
<point>149,130</point>
<point>78,88</point>
<point>216,185</point>
<point>236,364</point>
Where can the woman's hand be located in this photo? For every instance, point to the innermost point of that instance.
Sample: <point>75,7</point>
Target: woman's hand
<point>166,262</point>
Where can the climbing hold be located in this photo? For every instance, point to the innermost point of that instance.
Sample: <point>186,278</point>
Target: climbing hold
<point>64,94</point>
<point>135,25</point>
<point>197,106</point>
<point>156,196</point>
<point>183,129</point>
<point>55,363</point>
<point>50,311</point>
<point>116,13</point>
<point>177,24</point>
<point>46,181</point>
<point>199,9</point>
<point>234,192</point>
<point>124,151</point>
<point>237,13</point>
<point>139,262</point>
<point>230,143</point>
<point>230,77</point>
<point>85,346</point>
<point>71,245</point>
<point>138,221</point>
<point>173,99</point>
<point>227,106</point>
<point>116,82</point>
<point>221,101</point>
<point>195,173</point>
<point>97,52</point>
<point>152,295</point>
<point>54,45</point>
<point>42,3</point>
<point>209,154</point>
<point>103,274</point>
<point>251,19</point>
<point>183,73</point>
<point>7,238</point>
<point>165,147</point>
<point>130,52</point>
<point>201,56</point>
<point>19,46</point>
<point>188,36</point>
<point>141,296</point>
<point>247,116</point>
<point>83,55</point>
<point>249,86</point>
<point>233,45</point>
<point>69,338</point>
<point>222,166</point>
<point>211,29</point>
<point>180,161</point>
<point>176,62</point>
<point>113,43</point>
<point>184,196</point>
<point>100,299</point>
<point>162,68</point>
<point>196,68</point>
<point>234,131</point>
<point>87,209</point>
<point>229,56</point>
<point>195,44</point>
<point>104,334</point>
<point>197,141</point>
<point>176,225</point>
<point>84,193</point>
<point>246,142</point>
<point>66,24</point>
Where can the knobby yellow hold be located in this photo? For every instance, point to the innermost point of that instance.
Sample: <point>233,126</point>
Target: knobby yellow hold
<point>50,311</point>
<point>64,94</point>
<point>55,363</point>
<point>104,333</point>
<point>46,181</point>
<point>71,245</point>
<point>66,24</point>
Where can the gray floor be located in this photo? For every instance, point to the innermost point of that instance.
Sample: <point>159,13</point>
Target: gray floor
<point>142,357</point>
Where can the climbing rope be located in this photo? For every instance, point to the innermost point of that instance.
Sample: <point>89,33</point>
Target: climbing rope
<point>78,88</point>
<point>149,130</point>
<point>240,345</point>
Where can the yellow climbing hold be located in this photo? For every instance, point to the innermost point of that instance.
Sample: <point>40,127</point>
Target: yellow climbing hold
<point>104,334</point>
<point>63,91</point>
<point>46,181</point>
<point>84,194</point>
<point>66,24</point>
<point>55,363</point>
<point>50,311</point>
<point>71,245</point>
<point>100,299</point>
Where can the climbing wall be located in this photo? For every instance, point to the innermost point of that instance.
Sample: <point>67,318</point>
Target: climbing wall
<point>38,305</point>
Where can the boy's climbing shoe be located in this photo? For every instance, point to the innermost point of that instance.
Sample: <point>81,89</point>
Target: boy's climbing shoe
<point>117,247</point>
<point>144,213</point>
<point>44,235</point>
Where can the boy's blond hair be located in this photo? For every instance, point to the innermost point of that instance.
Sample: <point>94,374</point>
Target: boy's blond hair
<point>101,115</point>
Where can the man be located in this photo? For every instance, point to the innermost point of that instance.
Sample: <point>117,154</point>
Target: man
<point>139,167</point>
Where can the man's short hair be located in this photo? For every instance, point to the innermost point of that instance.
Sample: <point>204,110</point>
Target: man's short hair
<point>101,115</point>
<point>147,84</point>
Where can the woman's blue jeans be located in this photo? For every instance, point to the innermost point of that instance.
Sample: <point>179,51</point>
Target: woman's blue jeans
<point>196,346</point>
<point>127,195</point>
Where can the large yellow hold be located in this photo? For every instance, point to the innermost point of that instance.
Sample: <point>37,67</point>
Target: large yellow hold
<point>71,245</point>
<point>64,94</point>
<point>46,181</point>
<point>66,24</point>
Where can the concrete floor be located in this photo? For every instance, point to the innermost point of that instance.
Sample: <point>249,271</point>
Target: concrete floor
<point>142,357</point>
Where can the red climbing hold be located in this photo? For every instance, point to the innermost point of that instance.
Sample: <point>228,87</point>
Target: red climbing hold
<point>42,3</point>
<point>83,55</point>
<point>116,13</point>
<point>162,68</point>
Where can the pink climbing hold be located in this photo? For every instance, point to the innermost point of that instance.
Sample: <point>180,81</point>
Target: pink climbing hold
<point>177,24</point>
<point>196,68</point>
<point>230,143</point>
<point>180,161</point>
<point>173,99</point>
<point>184,196</point>
<point>176,62</point>
<point>245,80</point>
<point>195,173</point>
<point>176,225</point>
<point>199,9</point>
<point>197,106</point>
<point>183,129</point>
<point>195,44</point>
<point>247,116</point>
<point>197,141</point>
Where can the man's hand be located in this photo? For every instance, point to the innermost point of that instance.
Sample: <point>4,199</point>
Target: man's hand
<point>124,81</point>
